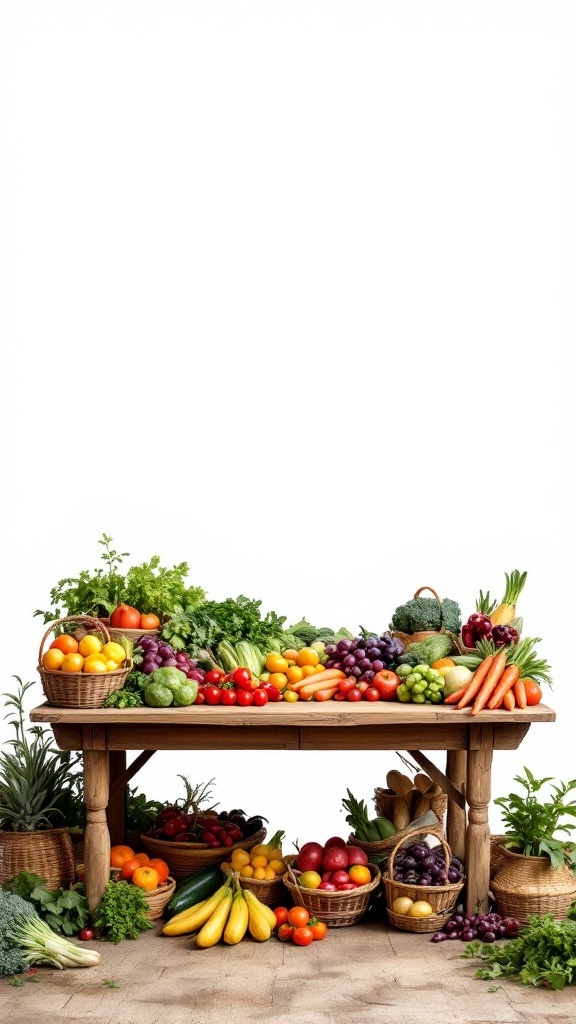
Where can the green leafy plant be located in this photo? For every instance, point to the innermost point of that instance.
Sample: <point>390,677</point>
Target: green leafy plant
<point>120,913</point>
<point>140,811</point>
<point>543,954</point>
<point>65,910</point>
<point>531,824</point>
<point>34,776</point>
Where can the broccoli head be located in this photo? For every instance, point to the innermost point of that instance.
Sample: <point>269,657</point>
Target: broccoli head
<point>423,613</point>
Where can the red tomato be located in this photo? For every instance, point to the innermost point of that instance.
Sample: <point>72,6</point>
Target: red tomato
<point>533,692</point>
<point>362,685</point>
<point>200,698</point>
<point>354,694</point>
<point>86,934</point>
<point>281,915</point>
<point>245,698</point>
<point>298,917</point>
<point>243,678</point>
<point>149,621</point>
<point>229,698</point>
<point>371,693</point>
<point>285,932</point>
<point>260,697</point>
<point>214,675</point>
<point>339,695</point>
<point>125,617</point>
<point>318,928</point>
<point>212,694</point>
<point>386,682</point>
<point>303,936</point>
<point>271,691</point>
<point>345,685</point>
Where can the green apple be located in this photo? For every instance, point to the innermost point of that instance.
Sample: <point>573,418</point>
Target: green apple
<point>310,879</point>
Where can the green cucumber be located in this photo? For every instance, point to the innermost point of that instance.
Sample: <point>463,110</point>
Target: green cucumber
<point>193,890</point>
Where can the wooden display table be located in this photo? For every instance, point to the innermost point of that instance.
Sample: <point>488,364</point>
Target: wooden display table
<point>104,735</point>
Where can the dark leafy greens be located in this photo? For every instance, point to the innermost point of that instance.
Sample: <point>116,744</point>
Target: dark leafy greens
<point>543,954</point>
<point>64,910</point>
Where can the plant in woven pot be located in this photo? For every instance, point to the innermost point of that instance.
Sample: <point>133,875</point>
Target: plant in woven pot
<point>35,779</point>
<point>537,872</point>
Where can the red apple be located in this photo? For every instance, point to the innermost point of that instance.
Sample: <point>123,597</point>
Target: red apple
<point>356,856</point>
<point>309,860</point>
<point>334,841</point>
<point>327,886</point>
<point>335,859</point>
<point>340,878</point>
<point>326,877</point>
<point>347,887</point>
<point>386,682</point>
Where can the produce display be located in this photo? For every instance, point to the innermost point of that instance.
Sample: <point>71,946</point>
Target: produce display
<point>188,821</point>
<point>138,868</point>
<point>228,914</point>
<point>544,953</point>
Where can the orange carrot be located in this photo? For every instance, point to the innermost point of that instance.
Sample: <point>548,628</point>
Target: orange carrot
<point>507,680</point>
<point>315,686</point>
<point>490,683</point>
<point>509,700</point>
<point>330,677</point>
<point>476,681</point>
<point>325,694</point>
<point>520,694</point>
<point>455,697</point>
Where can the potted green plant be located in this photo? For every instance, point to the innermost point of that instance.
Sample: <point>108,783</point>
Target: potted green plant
<point>35,779</point>
<point>538,866</point>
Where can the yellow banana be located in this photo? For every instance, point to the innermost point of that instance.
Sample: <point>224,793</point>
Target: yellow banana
<point>257,924</point>
<point>211,933</point>
<point>193,918</point>
<point>265,911</point>
<point>238,920</point>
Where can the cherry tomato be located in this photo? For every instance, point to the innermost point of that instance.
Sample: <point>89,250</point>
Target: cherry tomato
<point>243,678</point>
<point>354,694</point>
<point>345,685</point>
<point>303,936</point>
<point>371,693</point>
<point>271,691</point>
<point>86,934</point>
<point>173,826</point>
<point>298,917</point>
<point>245,698</point>
<point>533,692</point>
<point>339,695</point>
<point>229,698</point>
<point>214,675</point>
<point>149,621</point>
<point>285,933</point>
<point>212,694</point>
<point>200,698</point>
<point>260,697</point>
<point>281,915</point>
<point>318,928</point>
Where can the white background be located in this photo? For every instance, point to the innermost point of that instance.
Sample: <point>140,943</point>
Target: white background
<point>288,294</point>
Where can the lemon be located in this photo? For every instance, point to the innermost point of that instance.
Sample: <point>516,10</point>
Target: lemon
<point>95,663</point>
<point>112,666</point>
<point>114,651</point>
<point>290,696</point>
<point>89,645</point>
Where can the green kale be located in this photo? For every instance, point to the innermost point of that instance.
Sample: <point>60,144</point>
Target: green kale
<point>120,913</point>
<point>424,613</point>
<point>214,621</point>
<point>543,954</point>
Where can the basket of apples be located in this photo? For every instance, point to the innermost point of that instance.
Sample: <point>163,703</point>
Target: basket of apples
<point>333,881</point>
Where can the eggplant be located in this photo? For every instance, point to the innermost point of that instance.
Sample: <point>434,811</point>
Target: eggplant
<point>252,826</point>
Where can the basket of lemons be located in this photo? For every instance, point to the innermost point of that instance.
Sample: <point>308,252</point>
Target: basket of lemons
<point>82,673</point>
<point>261,869</point>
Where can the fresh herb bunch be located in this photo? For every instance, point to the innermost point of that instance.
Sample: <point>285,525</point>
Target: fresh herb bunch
<point>64,910</point>
<point>233,619</point>
<point>522,654</point>
<point>123,699</point>
<point>35,777</point>
<point>149,586</point>
<point>543,954</point>
<point>120,913</point>
<point>531,824</point>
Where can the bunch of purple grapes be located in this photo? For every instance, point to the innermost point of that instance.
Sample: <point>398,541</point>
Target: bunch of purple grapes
<point>364,656</point>
<point>418,864</point>
<point>156,653</point>
<point>486,927</point>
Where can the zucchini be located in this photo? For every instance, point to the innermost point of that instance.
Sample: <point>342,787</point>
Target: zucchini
<point>199,886</point>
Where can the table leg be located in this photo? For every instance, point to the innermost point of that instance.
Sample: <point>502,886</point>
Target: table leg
<point>478,786</point>
<point>456,816</point>
<point>97,837</point>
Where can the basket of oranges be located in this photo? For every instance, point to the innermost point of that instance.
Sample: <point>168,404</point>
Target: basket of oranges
<point>151,876</point>
<point>81,674</point>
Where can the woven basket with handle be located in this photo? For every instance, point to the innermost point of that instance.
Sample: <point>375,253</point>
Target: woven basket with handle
<point>336,909</point>
<point>80,689</point>
<point>158,898</point>
<point>413,638</point>
<point>442,898</point>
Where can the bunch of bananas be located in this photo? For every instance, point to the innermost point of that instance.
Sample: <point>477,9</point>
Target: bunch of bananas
<point>228,915</point>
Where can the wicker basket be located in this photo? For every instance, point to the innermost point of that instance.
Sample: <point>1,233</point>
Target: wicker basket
<point>80,689</point>
<point>267,890</point>
<point>48,853</point>
<point>414,638</point>
<point>158,898</point>
<point>336,909</point>
<point>530,885</point>
<point>442,898</point>
<point>184,859</point>
<point>386,845</point>
<point>496,854</point>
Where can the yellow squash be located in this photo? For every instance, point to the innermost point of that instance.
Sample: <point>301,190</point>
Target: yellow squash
<point>212,931</point>
<point>195,917</point>
<point>261,908</point>
<point>238,921</point>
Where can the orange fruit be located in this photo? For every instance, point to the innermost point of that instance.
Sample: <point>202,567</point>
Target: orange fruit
<point>142,858</point>
<point>308,670</point>
<point>53,659</point>
<point>89,645</point>
<point>65,643</point>
<point>278,679</point>
<point>360,874</point>
<point>276,663</point>
<point>146,878</point>
<point>95,663</point>
<point>160,867</point>
<point>119,854</point>
<point>129,867</point>
<point>307,656</point>
<point>294,674</point>
<point>72,663</point>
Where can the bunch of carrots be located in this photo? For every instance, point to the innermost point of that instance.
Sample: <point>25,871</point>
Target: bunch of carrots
<point>321,686</point>
<point>493,685</point>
